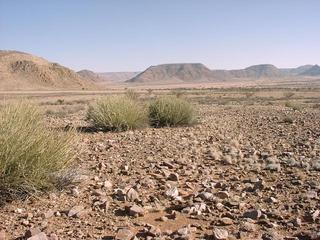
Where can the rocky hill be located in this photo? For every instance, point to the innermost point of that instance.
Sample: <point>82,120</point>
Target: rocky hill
<point>90,75</point>
<point>23,71</point>
<point>174,73</point>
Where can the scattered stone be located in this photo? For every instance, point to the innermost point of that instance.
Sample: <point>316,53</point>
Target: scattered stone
<point>173,177</point>
<point>136,210</point>
<point>76,211</point>
<point>124,234</point>
<point>32,232</point>
<point>172,192</point>
<point>39,236</point>
<point>297,222</point>
<point>48,214</point>
<point>3,235</point>
<point>53,236</point>
<point>274,167</point>
<point>226,221</point>
<point>163,219</point>
<point>220,234</point>
<point>222,194</point>
<point>206,196</point>
<point>248,227</point>
<point>132,195</point>
<point>253,214</point>
<point>107,184</point>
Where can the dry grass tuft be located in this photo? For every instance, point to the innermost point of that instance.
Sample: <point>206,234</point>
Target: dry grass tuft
<point>170,111</point>
<point>31,154</point>
<point>118,113</point>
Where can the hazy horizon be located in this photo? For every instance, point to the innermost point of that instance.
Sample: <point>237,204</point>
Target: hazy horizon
<point>116,36</point>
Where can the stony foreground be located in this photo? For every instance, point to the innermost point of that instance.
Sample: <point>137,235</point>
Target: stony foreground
<point>243,172</point>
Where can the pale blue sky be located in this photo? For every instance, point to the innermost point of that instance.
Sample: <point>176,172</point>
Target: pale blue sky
<point>129,35</point>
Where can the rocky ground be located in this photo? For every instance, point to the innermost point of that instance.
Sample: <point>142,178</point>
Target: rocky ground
<point>243,172</point>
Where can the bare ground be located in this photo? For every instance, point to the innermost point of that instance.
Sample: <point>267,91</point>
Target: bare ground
<point>248,170</point>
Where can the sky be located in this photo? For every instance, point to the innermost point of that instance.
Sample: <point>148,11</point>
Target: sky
<point>131,35</point>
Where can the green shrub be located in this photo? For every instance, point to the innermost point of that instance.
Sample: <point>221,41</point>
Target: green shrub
<point>117,113</point>
<point>169,111</point>
<point>31,154</point>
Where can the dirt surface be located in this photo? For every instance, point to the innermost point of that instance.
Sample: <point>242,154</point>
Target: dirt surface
<point>249,169</point>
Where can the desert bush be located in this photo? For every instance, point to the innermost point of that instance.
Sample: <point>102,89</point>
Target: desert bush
<point>293,106</point>
<point>177,92</point>
<point>31,154</point>
<point>132,94</point>
<point>288,94</point>
<point>171,111</point>
<point>117,113</point>
<point>60,101</point>
<point>249,94</point>
<point>288,120</point>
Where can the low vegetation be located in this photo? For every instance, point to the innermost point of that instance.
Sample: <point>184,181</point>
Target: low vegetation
<point>293,106</point>
<point>132,94</point>
<point>31,154</point>
<point>170,111</point>
<point>117,113</point>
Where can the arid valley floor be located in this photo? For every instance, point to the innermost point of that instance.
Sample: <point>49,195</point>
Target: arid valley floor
<point>249,169</point>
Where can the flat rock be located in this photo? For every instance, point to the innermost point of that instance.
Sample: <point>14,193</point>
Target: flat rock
<point>75,211</point>
<point>124,234</point>
<point>253,214</point>
<point>136,210</point>
<point>39,236</point>
<point>220,234</point>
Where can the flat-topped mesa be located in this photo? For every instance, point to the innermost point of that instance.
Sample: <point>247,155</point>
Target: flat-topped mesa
<point>174,73</point>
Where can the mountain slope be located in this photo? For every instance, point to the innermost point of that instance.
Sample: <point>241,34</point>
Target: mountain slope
<point>313,71</point>
<point>23,71</point>
<point>117,76</point>
<point>174,73</point>
<point>90,75</point>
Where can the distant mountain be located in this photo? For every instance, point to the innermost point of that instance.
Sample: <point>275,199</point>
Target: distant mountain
<point>23,71</point>
<point>90,75</point>
<point>313,71</point>
<point>257,71</point>
<point>197,72</point>
<point>295,71</point>
<point>117,76</point>
<point>174,73</point>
